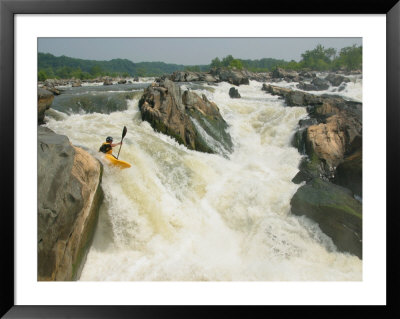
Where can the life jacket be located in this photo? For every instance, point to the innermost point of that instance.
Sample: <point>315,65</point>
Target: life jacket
<point>106,148</point>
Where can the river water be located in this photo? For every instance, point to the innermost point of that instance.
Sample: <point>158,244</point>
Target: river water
<point>182,215</point>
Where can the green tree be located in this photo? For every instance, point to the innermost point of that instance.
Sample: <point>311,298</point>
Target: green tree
<point>318,58</point>
<point>42,76</point>
<point>227,60</point>
<point>216,63</point>
<point>236,63</point>
<point>350,58</point>
<point>96,71</point>
<point>141,72</point>
<point>193,68</point>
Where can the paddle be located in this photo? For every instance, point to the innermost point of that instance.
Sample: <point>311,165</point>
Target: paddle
<point>123,135</point>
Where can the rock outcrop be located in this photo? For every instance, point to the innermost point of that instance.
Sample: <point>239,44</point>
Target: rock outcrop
<point>332,134</point>
<point>335,210</point>
<point>234,93</point>
<point>45,98</point>
<point>332,140</point>
<point>231,75</point>
<point>69,197</point>
<point>190,119</point>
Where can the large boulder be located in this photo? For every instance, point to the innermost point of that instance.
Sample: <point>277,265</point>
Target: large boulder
<point>190,119</point>
<point>69,197</point>
<point>328,137</point>
<point>331,140</point>
<point>335,210</point>
<point>45,98</point>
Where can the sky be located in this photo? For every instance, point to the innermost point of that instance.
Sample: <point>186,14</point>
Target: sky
<point>187,51</point>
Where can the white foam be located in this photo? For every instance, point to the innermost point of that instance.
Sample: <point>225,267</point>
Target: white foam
<point>181,215</point>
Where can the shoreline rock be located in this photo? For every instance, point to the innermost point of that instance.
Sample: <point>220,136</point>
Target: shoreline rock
<point>330,134</point>
<point>69,198</point>
<point>231,75</point>
<point>335,210</point>
<point>45,99</point>
<point>331,140</point>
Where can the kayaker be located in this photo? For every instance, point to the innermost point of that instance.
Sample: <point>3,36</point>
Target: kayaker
<point>108,145</point>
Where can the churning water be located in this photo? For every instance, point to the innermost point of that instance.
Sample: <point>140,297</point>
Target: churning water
<point>182,215</point>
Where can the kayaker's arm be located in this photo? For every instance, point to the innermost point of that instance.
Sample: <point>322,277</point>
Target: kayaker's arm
<point>113,145</point>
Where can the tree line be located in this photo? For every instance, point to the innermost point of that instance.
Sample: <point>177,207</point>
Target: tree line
<point>318,59</point>
<point>63,67</point>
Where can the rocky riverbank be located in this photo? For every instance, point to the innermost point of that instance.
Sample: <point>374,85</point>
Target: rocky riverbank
<point>216,75</point>
<point>308,80</point>
<point>69,199</point>
<point>45,98</point>
<point>53,85</point>
<point>331,139</point>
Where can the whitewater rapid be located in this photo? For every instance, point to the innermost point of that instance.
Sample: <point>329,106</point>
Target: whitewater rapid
<point>182,215</point>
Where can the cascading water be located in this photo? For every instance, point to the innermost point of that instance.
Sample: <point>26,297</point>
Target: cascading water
<point>182,215</point>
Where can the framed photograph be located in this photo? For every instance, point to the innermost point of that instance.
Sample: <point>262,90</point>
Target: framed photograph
<point>218,127</point>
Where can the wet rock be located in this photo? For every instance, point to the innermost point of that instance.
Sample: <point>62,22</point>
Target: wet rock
<point>320,84</point>
<point>342,87</point>
<point>69,197</point>
<point>52,90</point>
<point>230,75</point>
<point>122,81</point>
<point>336,79</point>
<point>331,140</point>
<point>45,98</point>
<point>307,74</point>
<point>233,76</point>
<point>316,84</point>
<point>349,172</point>
<point>234,93</point>
<point>190,119</point>
<point>189,76</point>
<point>76,83</point>
<point>306,86</point>
<point>335,210</point>
<point>328,137</point>
<point>280,73</point>
<point>108,81</point>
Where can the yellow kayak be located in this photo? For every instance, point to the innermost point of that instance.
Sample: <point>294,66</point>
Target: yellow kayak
<point>117,162</point>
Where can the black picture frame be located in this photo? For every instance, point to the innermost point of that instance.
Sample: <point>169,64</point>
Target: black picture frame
<point>8,9</point>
